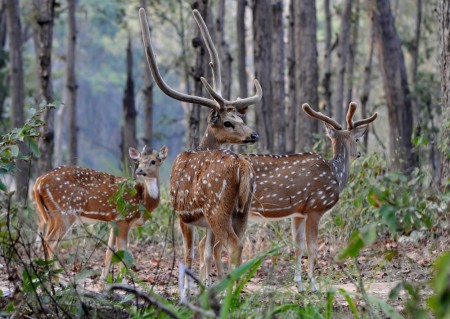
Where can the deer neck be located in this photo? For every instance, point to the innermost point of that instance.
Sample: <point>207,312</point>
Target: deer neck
<point>209,141</point>
<point>151,194</point>
<point>341,162</point>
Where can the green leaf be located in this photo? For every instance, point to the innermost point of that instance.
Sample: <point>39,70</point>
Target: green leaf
<point>388,214</point>
<point>83,274</point>
<point>123,256</point>
<point>3,187</point>
<point>14,150</point>
<point>34,148</point>
<point>387,309</point>
<point>359,240</point>
<point>350,302</point>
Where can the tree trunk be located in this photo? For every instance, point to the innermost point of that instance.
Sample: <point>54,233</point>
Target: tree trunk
<point>262,55</point>
<point>3,59</point>
<point>292,100</point>
<point>241,47</point>
<point>129,109</point>
<point>71,83</point>
<point>17,91</point>
<point>326,81</point>
<point>43,35</point>
<point>344,40</point>
<point>415,63</point>
<point>278,78</point>
<point>353,49</point>
<point>201,68</point>
<point>147,94</point>
<point>444,140</point>
<point>306,71</point>
<point>396,89</point>
<point>367,79</point>
<point>224,50</point>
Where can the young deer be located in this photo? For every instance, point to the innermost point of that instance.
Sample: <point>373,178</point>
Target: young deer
<point>302,187</point>
<point>70,194</point>
<point>211,188</point>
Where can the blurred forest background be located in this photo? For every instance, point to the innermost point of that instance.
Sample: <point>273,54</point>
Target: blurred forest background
<point>86,56</point>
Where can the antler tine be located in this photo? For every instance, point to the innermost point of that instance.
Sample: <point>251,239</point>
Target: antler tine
<point>350,113</point>
<point>365,121</point>
<point>215,61</point>
<point>148,48</point>
<point>216,96</point>
<point>240,104</point>
<point>319,116</point>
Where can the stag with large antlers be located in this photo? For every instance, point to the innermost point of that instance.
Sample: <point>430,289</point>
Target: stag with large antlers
<point>70,194</point>
<point>302,187</point>
<point>210,187</point>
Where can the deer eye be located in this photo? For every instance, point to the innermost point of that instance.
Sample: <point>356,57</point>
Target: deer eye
<point>153,162</point>
<point>227,124</point>
<point>357,140</point>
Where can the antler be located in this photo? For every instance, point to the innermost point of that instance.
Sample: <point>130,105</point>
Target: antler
<point>317,115</point>
<point>351,111</point>
<point>215,91</point>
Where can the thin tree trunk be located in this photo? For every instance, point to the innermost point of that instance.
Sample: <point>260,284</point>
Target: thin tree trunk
<point>326,81</point>
<point>396,88</point>
<point>367,81</point>
<point>306,71</point>
<point>43,34</point>
<point>129,109</point>
<point>147,97</point>
<point>343,55</point>
<point>292,99</point>
<point>71,82</point>
<point>353,49</point>
<point>444,140</point>
<point>17,91</point>
<point>278,78</point>
<point>3,59</point>
<point>415,63</point>
<point>241,47</point>
<point>224,50</point>
<point>262,55</point>
<point>200,69</point>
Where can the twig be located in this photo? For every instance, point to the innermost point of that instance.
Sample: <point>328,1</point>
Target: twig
<point>144,296</point>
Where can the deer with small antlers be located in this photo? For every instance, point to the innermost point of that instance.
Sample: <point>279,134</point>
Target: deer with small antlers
<point>301,187</point>
<point>70,194</point>
<point>209,187</point>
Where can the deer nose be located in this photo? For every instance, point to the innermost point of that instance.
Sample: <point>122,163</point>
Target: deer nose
<point>254,136</point>
<point>140,171</point>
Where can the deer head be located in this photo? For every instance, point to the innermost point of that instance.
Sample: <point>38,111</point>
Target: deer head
<point>225,126</point>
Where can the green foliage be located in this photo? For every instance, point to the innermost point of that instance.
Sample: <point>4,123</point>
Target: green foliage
<point>27,134</point>
<point>440,301</point>
<point>397,203</point>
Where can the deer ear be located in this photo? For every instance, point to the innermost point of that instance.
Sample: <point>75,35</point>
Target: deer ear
<point>134,154</point>
<point>331,132</point>
<point>163,153</point>
<point>214,117</point>
<point>358,132</point>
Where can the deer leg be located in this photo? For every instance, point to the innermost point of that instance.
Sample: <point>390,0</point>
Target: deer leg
<point>108,256</point>
<point>312,226</point>
<point>188,243</point>
<point>217,248</point>
<point>122,240</point>
<point>207,252</point>
<point>298,236</point>
<point>223,230</point>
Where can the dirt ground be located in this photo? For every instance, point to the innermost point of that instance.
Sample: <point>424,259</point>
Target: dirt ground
<point>382,266</point>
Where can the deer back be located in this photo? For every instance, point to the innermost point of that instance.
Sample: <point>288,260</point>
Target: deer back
<point>205,181</point>
<point>298,182</point>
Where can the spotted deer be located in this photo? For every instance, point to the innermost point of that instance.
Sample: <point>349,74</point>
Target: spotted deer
<point>302,187</point>
<point>70,194</point>
<point>210,187</point>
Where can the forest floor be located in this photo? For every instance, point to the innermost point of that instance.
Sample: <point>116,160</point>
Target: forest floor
<point>380,267</point>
